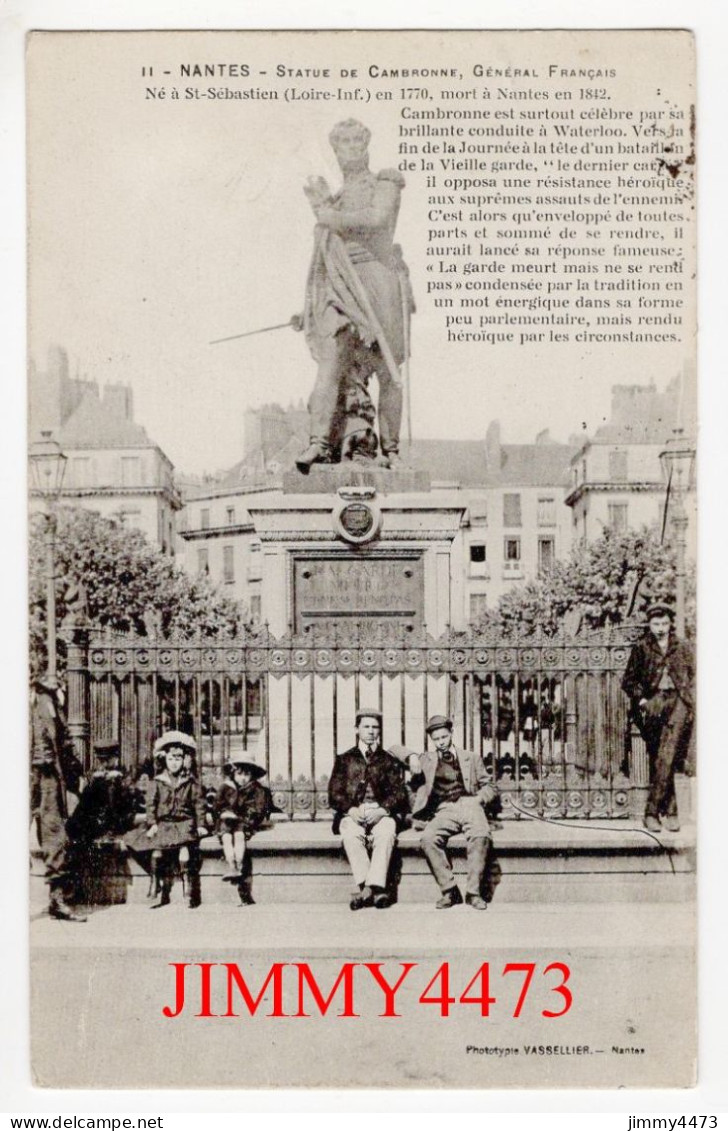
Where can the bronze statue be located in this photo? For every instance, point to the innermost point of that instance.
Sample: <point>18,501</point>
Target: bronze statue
<point>357,309</point>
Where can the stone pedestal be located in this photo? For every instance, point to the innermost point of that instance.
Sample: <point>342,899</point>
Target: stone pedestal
<point>346,544</point>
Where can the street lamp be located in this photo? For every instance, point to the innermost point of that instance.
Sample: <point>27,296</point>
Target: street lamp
<point>47,466</point>
<point>677,461</point>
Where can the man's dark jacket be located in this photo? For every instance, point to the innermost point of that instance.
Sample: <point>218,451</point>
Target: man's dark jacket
<point>642,680</point>
<point>348,784</point>
<point>51,752</point>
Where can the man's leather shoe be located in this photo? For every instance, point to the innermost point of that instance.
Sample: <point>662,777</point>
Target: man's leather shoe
<point>449,898</point>
<point>59,909</point>
<point>672,824</point>
<point>362,898</point>
<point>382,900</point>
<point>652,823</point>
<point>476,902</point>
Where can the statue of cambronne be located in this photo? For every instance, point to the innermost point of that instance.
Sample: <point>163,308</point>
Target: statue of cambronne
<point>357,309</point>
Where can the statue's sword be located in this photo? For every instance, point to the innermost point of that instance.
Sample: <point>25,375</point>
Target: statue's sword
<point>262,330</point>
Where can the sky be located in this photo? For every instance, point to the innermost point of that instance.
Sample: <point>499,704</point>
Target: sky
<point>157,226</point>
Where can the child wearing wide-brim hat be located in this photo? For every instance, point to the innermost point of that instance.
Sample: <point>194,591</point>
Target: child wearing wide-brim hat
<point>242,806</point>
<point>174,819</point>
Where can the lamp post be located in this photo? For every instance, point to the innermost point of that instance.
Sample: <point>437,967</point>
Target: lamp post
<point>677,464</point>
<point>47,465</point>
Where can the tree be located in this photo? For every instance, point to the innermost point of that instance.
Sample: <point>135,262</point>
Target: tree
<point>127,583</point>
<point>603,581</point>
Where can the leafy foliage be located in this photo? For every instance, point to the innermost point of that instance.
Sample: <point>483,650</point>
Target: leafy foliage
<point>602,582</point>
<point>128,584</point>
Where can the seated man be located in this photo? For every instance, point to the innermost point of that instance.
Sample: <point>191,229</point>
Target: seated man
<point>452,792</point>
<point>368,795</point>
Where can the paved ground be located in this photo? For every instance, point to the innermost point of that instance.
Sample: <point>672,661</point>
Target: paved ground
<point>99,990</point>
<point>332,928</point>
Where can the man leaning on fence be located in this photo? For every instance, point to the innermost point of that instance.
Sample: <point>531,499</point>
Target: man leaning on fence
<point>659,682</point>
<point>368,796</point>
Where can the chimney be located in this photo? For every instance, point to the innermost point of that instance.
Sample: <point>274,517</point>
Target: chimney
<point>119,400</point>
<point>251,431</point>
<point>493,452</point>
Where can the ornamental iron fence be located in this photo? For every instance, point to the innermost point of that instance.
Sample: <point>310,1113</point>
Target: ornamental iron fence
<point>547,713</point>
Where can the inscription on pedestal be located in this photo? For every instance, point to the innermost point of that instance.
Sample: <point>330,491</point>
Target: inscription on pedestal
<point>343,588</point>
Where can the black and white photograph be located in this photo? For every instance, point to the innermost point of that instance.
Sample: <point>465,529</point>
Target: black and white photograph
<point>362,437</point>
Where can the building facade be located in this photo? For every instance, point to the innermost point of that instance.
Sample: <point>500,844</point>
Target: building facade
<point>514,523</point>
<point>616,477</point>
<point>113,466</point>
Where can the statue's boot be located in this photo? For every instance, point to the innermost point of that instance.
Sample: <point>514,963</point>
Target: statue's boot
<point>316,452</point>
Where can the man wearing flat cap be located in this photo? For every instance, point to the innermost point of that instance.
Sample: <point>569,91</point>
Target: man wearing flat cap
<point>659,681</point>
<point>368,796</point>
<point>452,791</point>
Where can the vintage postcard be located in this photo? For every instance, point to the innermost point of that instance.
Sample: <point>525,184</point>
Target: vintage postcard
<point>362,575</point>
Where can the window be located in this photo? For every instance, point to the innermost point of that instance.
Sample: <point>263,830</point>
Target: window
<point>478,567</point>
<point>205,518</point>
<point>618,466</point>
<point>478,605</point>
<point>618,516</point>
<point>203,561</point>
<point>230,516</point>
<point>511,510</point>
<point>547,512</point>
<point>255,606</point>
<point>546,554</point>
<point>81,472</point>
<point>512,550</point>
<point>479,511</point>
<point>131,471</point>
<point>228,564</point>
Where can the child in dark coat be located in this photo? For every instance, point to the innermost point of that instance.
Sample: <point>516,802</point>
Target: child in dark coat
<point>174,821</point>
<point>242,806</point>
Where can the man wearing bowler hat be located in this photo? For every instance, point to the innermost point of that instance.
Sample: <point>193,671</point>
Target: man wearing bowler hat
<point>368,796</point>
<point>452,792</point>
<point>659,683</point>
